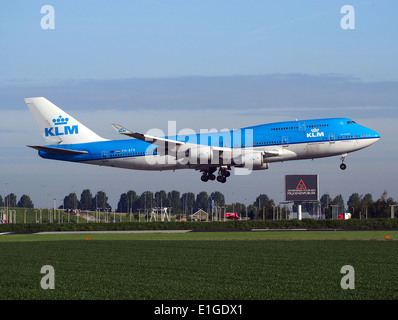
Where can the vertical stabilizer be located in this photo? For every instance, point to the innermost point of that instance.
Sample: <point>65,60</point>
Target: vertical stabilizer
<point>57,126</point>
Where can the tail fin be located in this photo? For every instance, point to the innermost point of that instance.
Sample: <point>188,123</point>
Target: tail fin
<point>57,126</point>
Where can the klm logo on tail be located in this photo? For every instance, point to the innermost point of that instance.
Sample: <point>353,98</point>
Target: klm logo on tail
<point>59,131</point>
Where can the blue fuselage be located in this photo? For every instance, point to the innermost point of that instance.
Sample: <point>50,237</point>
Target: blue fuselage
<point>293,140</point>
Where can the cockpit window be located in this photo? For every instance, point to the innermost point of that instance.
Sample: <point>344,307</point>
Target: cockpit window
<point>349,122</point>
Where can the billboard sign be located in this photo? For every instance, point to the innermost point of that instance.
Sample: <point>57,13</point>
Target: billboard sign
<point>301,187</point>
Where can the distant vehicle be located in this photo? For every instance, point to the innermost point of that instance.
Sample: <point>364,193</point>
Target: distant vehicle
<point>345,216</point>
<point>252,147</point>
<point>232,216</point>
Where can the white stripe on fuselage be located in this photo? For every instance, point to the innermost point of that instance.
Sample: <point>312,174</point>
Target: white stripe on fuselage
<point>287,152</point>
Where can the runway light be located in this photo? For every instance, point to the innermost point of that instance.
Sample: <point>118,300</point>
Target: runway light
<point>88,238</point>
<point>387,237</point>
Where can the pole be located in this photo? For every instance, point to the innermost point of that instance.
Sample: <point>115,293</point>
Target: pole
<point>55,213</point>
<point>392,206</point>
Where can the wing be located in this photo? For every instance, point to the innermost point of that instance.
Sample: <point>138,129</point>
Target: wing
<point>167,146</point>
<point>174,147</point>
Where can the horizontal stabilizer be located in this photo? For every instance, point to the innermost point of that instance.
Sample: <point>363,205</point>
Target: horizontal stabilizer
<point>59,150</point>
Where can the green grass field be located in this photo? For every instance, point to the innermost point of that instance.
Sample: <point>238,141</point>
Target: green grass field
<point>200,265</point>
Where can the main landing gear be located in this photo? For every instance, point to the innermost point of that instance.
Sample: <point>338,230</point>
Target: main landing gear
<point>209,175</point>
<point>343,166</point>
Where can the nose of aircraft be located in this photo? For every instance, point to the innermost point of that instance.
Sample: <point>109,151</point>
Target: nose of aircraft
<point>374,136</point>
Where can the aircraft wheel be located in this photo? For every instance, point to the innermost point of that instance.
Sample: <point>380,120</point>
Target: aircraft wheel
<point>212,177</point>
<point>343,166</point>
<point>204,178</point>
<point>225,173</point>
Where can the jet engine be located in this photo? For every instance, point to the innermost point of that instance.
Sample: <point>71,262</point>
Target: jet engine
<point>253,161</point>
<point>196,154</point>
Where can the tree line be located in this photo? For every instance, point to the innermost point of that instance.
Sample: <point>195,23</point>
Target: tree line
<point>360,206</point>
<point>11,201</point>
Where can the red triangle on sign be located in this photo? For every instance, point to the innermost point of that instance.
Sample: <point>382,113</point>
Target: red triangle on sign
<point>301,185</point>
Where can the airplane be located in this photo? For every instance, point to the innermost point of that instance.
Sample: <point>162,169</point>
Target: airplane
<point>252,148</point>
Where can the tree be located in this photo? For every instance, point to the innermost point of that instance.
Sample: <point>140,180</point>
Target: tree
<point>264,207</point>
<point>188,202</point>
<point>86,200</point>
<point>161,199</point>
<point>25,202</point>
<point>251,211</point>
<point>354,204</point>
<point>131,198</point>
<point>1,202</point>
<point>367,206</point>
<point>202,201</point>
<point>339,202</point>
<point>71,202</point>
<point>126,202</point>
<point>382,206</point>
<point>122,204</point>
<point>261,201</point>
<point>11,200</point>
<point>145,201</point>
<point>100,201</point>
<point>367,199</point>
<point>326,201</point>
<point>218,197</point>
<point>175,201</point>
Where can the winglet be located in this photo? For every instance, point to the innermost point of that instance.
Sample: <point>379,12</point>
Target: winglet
<point>120,129</point>
<point>146,137</point>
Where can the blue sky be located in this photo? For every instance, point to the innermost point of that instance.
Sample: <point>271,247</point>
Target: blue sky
<point>241,62</point>
<point>123,39</point>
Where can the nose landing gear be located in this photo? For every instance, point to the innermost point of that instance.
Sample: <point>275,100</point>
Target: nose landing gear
<point>343,166</point>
